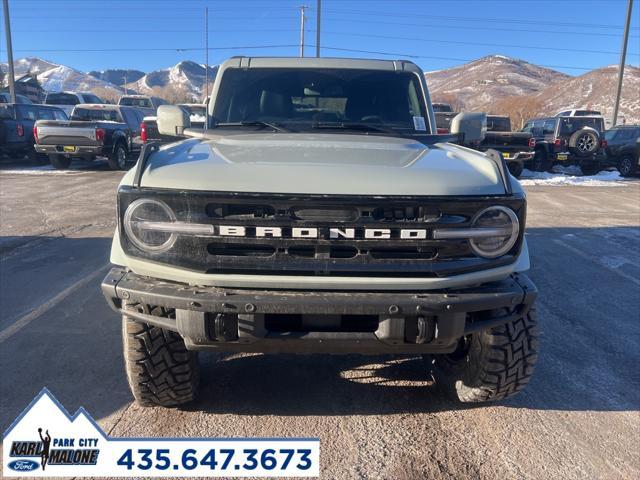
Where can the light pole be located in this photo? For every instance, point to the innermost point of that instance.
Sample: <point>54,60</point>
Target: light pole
<point>7,29</point>
<point>318,12</point>
<point>302,21</point>
<point>206,54</point>
<point>623,57</point>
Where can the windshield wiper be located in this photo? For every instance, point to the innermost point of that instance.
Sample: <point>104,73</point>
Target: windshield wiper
<point>254,123</point>
<point>365,127</point>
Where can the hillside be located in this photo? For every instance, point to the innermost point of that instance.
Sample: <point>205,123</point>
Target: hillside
<point>54,77</point>
<point>184,78</point>
<point>118,76</point>
<point>596,89</point>
<point>478,84</point>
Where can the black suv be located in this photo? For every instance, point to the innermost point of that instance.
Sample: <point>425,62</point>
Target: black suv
<point>566,141</point>
<point>622,149</point>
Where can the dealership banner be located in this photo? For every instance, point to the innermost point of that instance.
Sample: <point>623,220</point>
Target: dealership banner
<point>45,441</point>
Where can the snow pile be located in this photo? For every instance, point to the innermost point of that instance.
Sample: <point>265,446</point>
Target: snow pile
<point>40,170</point>
<point>571,176</point>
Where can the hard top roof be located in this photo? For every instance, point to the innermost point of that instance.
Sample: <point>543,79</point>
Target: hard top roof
<point>323,62</point>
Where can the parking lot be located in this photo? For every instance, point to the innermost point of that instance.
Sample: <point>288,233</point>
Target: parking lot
<point>377,417</point>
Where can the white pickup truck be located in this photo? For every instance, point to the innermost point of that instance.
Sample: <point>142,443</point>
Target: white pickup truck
<point>67,100</point>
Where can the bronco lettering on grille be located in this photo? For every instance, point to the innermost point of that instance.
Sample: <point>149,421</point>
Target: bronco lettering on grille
<point>319,232</point>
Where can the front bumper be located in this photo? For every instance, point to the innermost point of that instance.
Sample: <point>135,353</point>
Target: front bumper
<point>212,318</point>
<point>80,150</point>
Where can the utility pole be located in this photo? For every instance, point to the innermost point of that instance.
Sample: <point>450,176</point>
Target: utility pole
<point>623,57</point>
<point>7,29</point>
<point>302,21</point>
<point>318,14</point>
<point>206,53</point>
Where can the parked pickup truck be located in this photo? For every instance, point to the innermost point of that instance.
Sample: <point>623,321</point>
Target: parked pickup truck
<point>110,131</point>
<point>68,100</point>
<point>321,213</point>
<point>516,147</point>
<point>16,128</point>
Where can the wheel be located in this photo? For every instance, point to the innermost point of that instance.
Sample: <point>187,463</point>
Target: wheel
<point>160,370</point>
<point>626,166</point>
<point>37,158</point>
<point>60,161</point>
<point>491,365</point>
<point>585,141</point>
<point>118,158</point>
<point>541,161</point>
<point>515,168</point>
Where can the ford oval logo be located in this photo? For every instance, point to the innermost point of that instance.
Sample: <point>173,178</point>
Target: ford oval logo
<point>23,465</point>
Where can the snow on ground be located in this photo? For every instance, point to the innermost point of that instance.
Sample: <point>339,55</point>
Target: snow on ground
<point>572,176</point>
<point>44,170</point>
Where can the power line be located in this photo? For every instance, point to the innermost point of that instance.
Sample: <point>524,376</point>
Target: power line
<point>174,49</point>
<point>475,19</point>
<point>489,29</point>
<point>405,55</point>
<point>251,47</point>
<point>458,42</point>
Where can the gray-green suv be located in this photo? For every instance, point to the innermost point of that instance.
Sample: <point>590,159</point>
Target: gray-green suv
<point>319,212</point>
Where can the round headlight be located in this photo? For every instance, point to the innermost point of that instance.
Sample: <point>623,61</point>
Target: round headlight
<point>139,221</point>
<point>502,228</point>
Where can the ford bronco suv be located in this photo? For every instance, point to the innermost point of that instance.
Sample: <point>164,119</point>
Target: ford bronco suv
<point>319,212</point>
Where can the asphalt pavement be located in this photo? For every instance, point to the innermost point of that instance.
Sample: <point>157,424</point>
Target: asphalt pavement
<point>377,417</point>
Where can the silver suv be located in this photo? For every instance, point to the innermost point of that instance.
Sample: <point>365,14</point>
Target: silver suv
<point>319,212</point>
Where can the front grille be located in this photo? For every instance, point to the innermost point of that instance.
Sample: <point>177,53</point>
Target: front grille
<point>361,256</point>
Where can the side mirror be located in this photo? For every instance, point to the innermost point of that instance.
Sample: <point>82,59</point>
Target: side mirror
<point>172,120</point>
<point>471,125</point>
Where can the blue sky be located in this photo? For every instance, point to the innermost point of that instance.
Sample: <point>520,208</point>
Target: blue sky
<point>572,36</point>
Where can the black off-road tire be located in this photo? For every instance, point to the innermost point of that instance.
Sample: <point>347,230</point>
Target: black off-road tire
<point>160,370</point>
<point>118,158</point>
<point>515,168</point>
<point>37,158</point>
<point>493,365</point>
<point>60,162</point>
<point>626,166</point>
<point>540,162</point>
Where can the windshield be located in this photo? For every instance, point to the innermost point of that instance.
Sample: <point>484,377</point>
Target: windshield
<point>317,98</point>
<point>442,107</point>
<point>498,124</point>
<point>90,98</point>
<point>568,125</point>
<point>199,110</point>
<point>90,114</point>
<point>136,102</point>
<point>586,113</point>
<point>61,99</point>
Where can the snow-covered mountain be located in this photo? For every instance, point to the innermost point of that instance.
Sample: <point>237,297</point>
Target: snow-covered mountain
<point>186,77</point>
<point>596,89</point>
<point>54,77</point>
<point>118,76</point>
<point>478,84</point>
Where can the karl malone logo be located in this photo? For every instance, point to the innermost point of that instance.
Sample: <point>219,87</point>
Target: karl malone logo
<point>32,447</point>
<point>63,452</point>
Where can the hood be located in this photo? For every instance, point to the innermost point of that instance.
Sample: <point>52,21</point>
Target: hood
<point>335,164</point>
